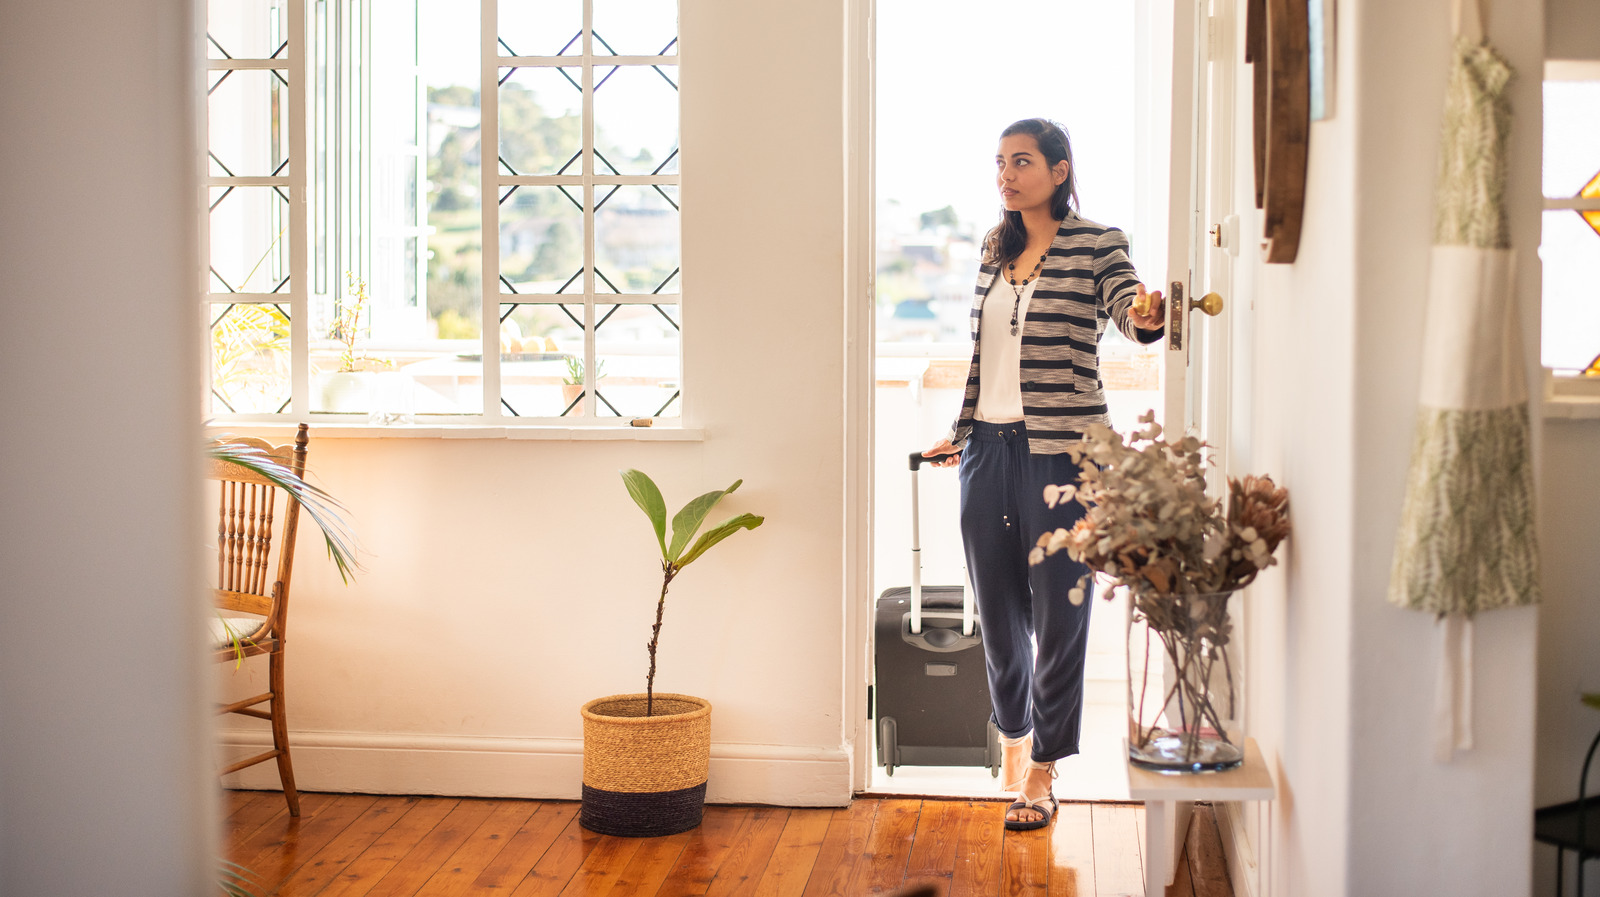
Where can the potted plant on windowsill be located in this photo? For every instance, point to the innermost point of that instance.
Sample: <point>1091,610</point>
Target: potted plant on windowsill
<point>572,385</point>
<point>646,756</point>
<point>349,389</point>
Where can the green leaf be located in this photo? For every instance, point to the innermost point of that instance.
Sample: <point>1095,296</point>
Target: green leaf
<point>238,881</point>
<point>687,521</point>
<point>717,534</point>
<point>325,510</point>
<point>648,498</point>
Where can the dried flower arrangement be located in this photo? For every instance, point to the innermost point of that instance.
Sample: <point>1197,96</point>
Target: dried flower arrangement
<point>1150,526</point>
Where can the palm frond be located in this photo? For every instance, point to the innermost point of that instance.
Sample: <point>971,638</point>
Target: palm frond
<point>237,881</point>
<point>235,641</point>
<point>325,510</point>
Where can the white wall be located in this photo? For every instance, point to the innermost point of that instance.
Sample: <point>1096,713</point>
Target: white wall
<point>1341,682</point>
<point>1417,826</point>
<point>1572,29</point>
<point>509,582</point>
<point>1294,327</point>
<point>104,783</point>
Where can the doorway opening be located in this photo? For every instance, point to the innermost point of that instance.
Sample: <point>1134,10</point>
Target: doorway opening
<point>949,77</point>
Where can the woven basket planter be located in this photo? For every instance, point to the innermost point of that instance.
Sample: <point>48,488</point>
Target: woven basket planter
<point>645,776</point>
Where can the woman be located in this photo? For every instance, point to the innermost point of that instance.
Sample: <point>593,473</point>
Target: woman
<point>1049,281</point>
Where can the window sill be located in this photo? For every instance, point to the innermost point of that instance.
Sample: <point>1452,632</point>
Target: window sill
<point>1571,409</point>
<point>342,430</point>
<point>1570,397</point>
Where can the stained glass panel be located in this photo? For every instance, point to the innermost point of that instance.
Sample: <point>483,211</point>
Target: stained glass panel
<point>1591,190</point>
<point>1571,136</point>
<point>1568,249</point>
<point>1571,263</point>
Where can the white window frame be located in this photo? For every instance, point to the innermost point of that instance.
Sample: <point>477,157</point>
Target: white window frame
<point>1565,396</point>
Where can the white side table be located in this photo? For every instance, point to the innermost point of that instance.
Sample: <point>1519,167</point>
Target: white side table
<point>1164,795</point>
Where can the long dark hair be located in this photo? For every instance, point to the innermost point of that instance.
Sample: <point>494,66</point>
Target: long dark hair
<point>1009,238</point>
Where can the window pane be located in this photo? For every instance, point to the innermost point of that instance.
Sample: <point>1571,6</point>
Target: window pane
<point>249,358</point>
<point>248,116</point>
<point>1570,251</point>
<point>249,240</point>
<point>541,115</point>
<point>635,27</point>
<point>637,353</point>
<point>1571,135</point>
<point>541,27</point>
<point>541,240</point>
<point>454,253</point>
<point>245,29</point>
<point>541,359</point>
<point>636,239</point>
<point>636,119</point>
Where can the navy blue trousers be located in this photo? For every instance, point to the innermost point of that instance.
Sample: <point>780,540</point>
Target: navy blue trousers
<point>1003,513</point>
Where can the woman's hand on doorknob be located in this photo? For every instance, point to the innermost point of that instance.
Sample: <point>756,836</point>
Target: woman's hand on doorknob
<point>1148,311</point>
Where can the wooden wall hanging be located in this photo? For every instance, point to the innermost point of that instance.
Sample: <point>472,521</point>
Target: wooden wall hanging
<point>1277,45</point>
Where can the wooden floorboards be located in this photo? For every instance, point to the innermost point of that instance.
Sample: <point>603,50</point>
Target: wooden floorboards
<point>351,845</point>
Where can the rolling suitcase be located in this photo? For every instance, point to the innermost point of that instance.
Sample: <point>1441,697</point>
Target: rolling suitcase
<point>930,689</point>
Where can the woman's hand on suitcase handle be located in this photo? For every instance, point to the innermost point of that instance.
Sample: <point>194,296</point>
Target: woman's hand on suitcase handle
<point>945,454</point>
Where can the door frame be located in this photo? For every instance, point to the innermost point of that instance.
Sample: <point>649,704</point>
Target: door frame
<point>860,340</point>
<point>1158,23</point>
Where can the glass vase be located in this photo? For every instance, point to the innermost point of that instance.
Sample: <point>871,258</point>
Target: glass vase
<point>1181,683</point>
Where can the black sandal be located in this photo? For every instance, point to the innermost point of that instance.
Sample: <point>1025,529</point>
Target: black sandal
<point>1036,804</point>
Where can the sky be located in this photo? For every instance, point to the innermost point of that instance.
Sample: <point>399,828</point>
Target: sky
<point>950,75</point>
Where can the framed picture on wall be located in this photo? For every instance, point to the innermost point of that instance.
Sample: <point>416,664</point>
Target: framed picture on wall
<point>1320,17</point>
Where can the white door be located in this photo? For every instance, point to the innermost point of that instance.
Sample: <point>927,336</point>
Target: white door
<point>1201,237</point>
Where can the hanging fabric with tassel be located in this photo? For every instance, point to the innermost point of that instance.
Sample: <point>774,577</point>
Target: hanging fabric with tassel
<point>1466,541</point>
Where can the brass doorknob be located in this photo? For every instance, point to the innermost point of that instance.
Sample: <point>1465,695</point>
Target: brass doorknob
<point>1210,303</point>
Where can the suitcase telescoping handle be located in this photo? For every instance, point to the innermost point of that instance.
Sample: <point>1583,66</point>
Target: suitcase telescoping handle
<point>917,461</point>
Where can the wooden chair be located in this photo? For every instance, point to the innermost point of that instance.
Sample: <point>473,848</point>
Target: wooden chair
<point>254,604</point>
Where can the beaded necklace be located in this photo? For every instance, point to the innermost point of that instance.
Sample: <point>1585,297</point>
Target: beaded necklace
<point>1017,288</point>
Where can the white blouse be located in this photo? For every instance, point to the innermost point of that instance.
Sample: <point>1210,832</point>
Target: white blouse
<point>1000,353</point>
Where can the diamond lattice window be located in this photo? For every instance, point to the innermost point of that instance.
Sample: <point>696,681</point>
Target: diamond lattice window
<point>587,208</point>
<point>253,74</point>
<point>403,229</point>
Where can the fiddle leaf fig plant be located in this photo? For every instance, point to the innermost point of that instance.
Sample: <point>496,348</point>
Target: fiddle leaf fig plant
<point>684,547</point>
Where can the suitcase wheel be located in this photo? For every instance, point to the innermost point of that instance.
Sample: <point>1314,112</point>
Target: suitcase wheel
<point>994,750</point>
<point>888,744</point>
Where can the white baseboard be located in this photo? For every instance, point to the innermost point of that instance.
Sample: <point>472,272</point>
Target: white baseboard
<point>544,768</point>
<point>1243,871</point>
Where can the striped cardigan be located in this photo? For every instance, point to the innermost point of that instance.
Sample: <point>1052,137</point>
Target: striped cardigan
<point>1087,279</point>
